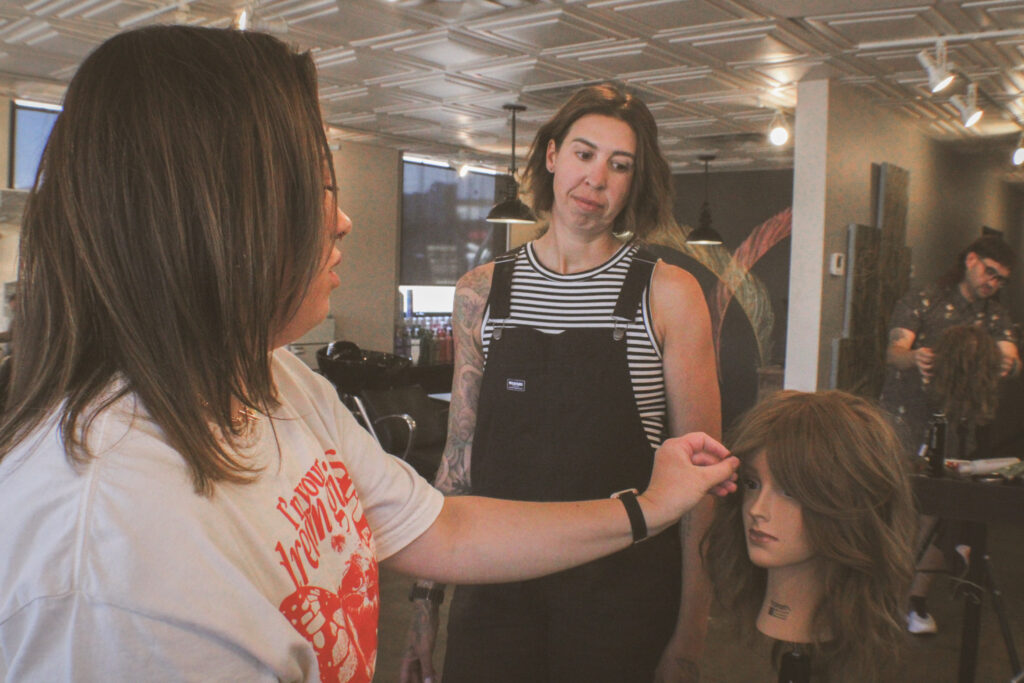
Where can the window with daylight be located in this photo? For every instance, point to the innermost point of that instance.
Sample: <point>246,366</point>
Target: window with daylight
<point>30,129</point>
<point>444,234</point>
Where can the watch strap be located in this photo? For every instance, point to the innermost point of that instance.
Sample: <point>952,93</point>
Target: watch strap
<point>433,595</point>
<point>636,515</point>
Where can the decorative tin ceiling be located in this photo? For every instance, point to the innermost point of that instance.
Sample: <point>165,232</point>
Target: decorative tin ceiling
<point>430,76</point>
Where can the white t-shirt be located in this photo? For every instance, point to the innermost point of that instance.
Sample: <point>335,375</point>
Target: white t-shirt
<point>119,571</point>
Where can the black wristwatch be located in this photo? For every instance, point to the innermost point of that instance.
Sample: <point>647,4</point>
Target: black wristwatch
<point>636,515</point>
<point>432,595</point>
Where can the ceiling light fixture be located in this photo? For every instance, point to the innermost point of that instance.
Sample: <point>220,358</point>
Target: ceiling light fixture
<point>778,133</point>
<point>34,104</point>
<point>939,73</point>
<point>512,209</point>
<point>705,235</point>
<point>426,161</point>
<point>1018,153</point>
<point>969,112</point>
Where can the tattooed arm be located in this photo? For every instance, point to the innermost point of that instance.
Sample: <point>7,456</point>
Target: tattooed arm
<point>470,300</point>
<point>452,478</point>
<point>899,353</point>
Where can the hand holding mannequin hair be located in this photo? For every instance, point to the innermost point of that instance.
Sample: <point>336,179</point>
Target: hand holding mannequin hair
<point>816,546</point>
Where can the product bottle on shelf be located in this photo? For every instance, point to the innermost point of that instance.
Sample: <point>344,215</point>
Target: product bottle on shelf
<point>428,349</point>
<point>414,345</point>
<point>443,345</point>
<point>402,341</point>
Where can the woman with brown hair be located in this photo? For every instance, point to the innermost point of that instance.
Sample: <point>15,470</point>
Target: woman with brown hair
<point>575,355</point>
<point>182,498</point>
<point>815,547</point>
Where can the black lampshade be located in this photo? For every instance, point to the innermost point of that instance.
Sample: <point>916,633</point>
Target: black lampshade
<point>512,209</point>
<point>705,235</point>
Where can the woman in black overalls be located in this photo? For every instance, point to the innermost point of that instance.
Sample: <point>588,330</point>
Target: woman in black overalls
<point>555,417</point>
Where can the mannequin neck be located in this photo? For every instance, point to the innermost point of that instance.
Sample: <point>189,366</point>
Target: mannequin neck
<point>790,599</point>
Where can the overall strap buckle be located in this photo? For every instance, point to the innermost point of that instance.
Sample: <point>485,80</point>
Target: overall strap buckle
<point>499,299</point>
<point>638,277</point>
<point>619,327</point>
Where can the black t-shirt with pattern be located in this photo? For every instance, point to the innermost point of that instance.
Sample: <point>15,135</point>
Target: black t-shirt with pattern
<point>928,313</point>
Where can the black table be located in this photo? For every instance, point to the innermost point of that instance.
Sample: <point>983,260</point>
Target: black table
<point>976,504</point>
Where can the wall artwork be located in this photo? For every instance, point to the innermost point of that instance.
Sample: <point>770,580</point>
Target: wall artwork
<point>742,333</point>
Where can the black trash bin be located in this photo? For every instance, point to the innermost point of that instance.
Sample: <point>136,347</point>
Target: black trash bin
<point>352,369</point>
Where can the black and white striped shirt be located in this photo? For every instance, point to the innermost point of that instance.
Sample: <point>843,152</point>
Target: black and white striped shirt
<point>552,303</point>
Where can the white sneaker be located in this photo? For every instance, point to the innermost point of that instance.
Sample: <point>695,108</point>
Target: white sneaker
<point>921,625</point>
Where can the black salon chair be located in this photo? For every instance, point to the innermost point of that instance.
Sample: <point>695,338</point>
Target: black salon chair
<point>381,392</point>
<point>409,424</point>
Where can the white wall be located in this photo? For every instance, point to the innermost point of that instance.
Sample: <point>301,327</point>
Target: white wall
<point>807,244</point>
<point>369,191</point>
<point>11,205</point>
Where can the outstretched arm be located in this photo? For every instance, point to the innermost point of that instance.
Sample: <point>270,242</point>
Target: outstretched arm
<point>452,478</point>
<point>683,327</point>
<point>487,540</point>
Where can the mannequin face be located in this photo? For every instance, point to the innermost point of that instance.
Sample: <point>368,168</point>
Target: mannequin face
<point>773,522</point>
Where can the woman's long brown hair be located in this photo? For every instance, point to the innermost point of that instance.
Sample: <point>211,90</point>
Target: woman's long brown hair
<point>837,456</point>
<point>176,221</point>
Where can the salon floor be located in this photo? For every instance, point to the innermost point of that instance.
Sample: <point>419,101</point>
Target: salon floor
<point>927,659</point>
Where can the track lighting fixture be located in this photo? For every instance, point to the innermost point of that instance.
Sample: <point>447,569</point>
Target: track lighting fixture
<point>939,73</point>
<point>1018,152</point>
<point>968,108</point>
<point>778,133</point>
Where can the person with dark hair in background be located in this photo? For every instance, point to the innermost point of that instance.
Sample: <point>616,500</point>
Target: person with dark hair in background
<point>182,498</point>
<point>575,355</point>
<point>964,295</point>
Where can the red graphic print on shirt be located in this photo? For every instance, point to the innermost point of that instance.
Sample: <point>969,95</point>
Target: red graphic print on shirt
<point>340,624</point>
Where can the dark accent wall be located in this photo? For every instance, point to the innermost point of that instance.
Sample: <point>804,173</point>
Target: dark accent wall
<point>740,201</point>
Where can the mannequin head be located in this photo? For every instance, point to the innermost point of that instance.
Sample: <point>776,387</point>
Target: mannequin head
<point>833,470</point>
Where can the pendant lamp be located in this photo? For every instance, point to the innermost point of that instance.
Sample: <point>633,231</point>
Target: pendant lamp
<point>512,209</point>
<point>705,235</point>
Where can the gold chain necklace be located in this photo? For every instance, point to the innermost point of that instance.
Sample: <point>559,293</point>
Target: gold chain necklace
<point>244,417</point>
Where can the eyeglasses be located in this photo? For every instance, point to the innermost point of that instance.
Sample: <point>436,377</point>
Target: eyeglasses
<point>994,275</point>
